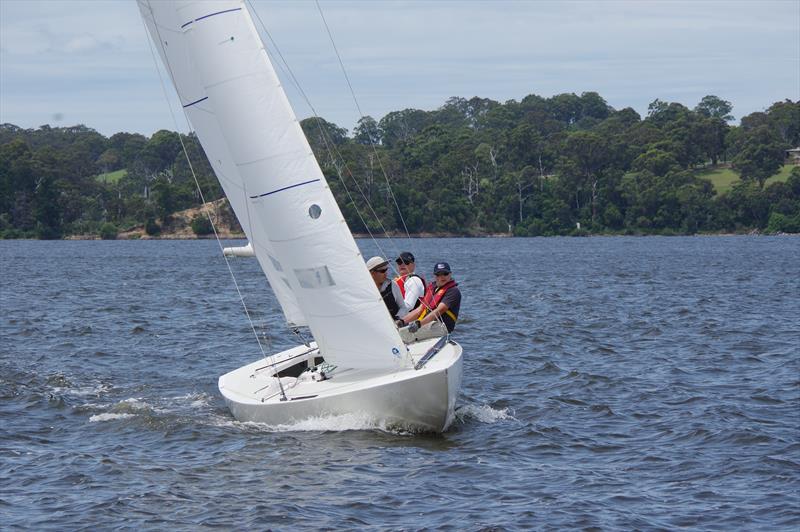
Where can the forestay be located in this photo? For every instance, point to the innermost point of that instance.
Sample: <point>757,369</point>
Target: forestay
<point>259,151</point>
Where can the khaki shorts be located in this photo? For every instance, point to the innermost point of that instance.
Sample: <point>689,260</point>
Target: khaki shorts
<point>434,329</point>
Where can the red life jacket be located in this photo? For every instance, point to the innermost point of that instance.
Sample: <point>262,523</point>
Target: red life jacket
<point>401,282</point>
<point>433,296</point>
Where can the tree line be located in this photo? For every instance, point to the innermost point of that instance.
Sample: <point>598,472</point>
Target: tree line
<point>563,165</point>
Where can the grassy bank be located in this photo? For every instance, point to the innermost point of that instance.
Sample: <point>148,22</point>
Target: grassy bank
<point>112,177</point>
<point>724,179</point>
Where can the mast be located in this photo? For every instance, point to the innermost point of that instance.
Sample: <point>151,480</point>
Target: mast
<point>283,197</point>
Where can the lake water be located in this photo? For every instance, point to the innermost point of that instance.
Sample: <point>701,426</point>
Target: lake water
<point>618,383</point>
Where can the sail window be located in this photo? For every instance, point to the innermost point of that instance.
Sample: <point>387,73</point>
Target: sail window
<point>319,277</point>
<point>315,211</point>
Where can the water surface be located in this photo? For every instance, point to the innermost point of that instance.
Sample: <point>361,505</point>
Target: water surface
<point>608,382</point>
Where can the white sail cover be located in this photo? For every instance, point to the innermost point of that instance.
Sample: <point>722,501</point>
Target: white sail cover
<point>259,151</point>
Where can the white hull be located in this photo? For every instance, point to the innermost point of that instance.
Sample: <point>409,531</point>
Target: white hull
<point>415,399</point>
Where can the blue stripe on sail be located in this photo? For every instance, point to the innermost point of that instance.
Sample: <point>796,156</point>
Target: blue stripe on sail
<point>211,15</point>
<point>194,102</point>
<point>218,13</point>
<point>284,188</point>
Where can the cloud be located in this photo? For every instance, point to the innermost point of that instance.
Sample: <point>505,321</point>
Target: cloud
<point>91,60</point>
<point>90,43</point>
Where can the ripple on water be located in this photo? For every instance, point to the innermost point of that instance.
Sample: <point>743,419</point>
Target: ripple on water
<point>614,383</point>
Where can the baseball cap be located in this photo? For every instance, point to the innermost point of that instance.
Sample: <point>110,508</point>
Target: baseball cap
<point>441,267</point>
<point>405,257</point>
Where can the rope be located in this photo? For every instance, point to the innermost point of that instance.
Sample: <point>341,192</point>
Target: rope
<point>200,191</point>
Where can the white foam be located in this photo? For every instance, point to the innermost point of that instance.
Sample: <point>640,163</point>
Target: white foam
<point>134,404</point>
<point>196,400</point>
<point>340,423</point>
<point>91,390</point>
<point>346,422</point>
<point>483,413</point>
<point>83,391</point>
<point>108,417</point>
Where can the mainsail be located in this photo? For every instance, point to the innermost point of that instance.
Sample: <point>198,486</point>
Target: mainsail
<point>241,115</point>
<point>164,25</point>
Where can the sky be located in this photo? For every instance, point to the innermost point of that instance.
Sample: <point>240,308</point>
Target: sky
<point>89,62</point>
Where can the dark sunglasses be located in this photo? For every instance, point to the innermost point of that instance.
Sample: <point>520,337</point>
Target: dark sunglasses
<point>381,271</point>
<point>406,262</point>
<point>442,274</point>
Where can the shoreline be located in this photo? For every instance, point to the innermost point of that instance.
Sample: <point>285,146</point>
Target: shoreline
<point>366,236</point>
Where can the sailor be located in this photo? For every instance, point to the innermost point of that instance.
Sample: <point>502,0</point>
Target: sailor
<point>438,313</point>
<point>379,268</point>
<point>412,286</point>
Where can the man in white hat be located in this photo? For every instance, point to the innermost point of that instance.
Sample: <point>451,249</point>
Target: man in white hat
<point>379,270</point>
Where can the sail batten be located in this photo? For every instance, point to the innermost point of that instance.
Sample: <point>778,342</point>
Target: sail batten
<point>204,98</point>
<point>295,222</point>
<point>284,188</point>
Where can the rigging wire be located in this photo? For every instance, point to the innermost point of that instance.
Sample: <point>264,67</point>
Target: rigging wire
<point>200,191</point>
<point>361,116</point>
<point>330,147</point>
<point>372,145</point>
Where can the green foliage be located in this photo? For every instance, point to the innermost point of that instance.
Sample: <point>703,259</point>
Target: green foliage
<point>780,223</point>
<point>656,161</point>
<point>201,225</point>
<point>108,231</point>
<point>57,181</point>
<point>367,132</point>
<point>151,227</point>
<point>531,167</point>
<point>761,155</point>
<point>714,107</point>
<point>723,179</point>
<point>112,177</point>
<point>322,134</point>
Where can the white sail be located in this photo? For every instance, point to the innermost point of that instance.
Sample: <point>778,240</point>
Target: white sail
<point>163,23</point>
<point>289,206</point>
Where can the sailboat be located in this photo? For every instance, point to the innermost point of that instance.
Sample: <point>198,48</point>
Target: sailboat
<point>357,363</point>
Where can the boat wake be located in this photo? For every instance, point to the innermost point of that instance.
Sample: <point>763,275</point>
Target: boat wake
<point>124,409</point>
<point>482,414</point>
<point>108,417</point>
<point>333,423</point>
<point>355,422</point>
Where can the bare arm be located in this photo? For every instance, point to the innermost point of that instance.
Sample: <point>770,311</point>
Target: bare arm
<point>434,315</point>
<point>414,314</point>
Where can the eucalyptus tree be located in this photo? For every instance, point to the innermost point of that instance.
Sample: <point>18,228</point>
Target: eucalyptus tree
<point>367,131</point>
<point>715,107</point>
<point>761,155</point>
